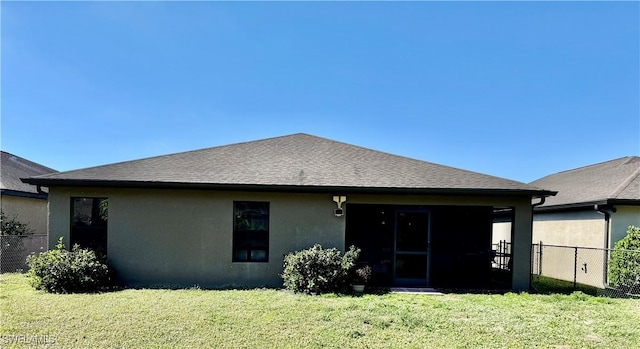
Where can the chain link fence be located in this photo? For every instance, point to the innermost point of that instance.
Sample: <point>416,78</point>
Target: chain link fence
<point>584,266</point>
<point>14,250</point>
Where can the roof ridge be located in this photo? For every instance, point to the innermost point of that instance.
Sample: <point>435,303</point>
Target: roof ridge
<point>626,183</point>
<point>593,165</point>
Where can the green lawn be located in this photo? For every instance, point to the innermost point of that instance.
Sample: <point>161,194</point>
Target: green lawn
<point>546,285</point>
<point>277,319</point>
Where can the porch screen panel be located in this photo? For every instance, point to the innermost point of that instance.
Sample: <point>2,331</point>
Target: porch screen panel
<point>412,247</point>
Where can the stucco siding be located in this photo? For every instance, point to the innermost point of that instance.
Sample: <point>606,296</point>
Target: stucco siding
<point>572,228</point>
<point>30,211</point>
<point>501,231</point>
<point>184,237</point>
<point>578,228</point>
<point>583,229</point>
<point>181,238</point>
<point>621,220</point>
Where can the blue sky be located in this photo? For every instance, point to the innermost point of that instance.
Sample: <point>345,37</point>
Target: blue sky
<point>516,90</point>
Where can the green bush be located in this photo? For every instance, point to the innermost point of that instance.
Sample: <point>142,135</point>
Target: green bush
<point>316,270</point>
<point>62,271</point>
<point>624,265</point>
<point>11,225</point>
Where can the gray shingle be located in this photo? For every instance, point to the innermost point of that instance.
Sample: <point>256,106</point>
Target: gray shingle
<point>617,179</point>
<point>13,167</point>
<point>298,160</point>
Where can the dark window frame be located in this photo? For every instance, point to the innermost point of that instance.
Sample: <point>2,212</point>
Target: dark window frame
<point>251,226</point>
<point>81,231</point>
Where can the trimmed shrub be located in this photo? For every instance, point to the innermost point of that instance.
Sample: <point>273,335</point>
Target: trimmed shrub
<point>316,270</point>
<point>62,271</point>
<point>11,225</point>
<point>624,266</point>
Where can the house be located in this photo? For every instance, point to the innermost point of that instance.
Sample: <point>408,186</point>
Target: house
<point>594,206</point>
<point>226,216</point>
<point>23,201</point>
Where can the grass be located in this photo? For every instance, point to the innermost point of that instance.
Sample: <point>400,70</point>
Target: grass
<point>277,319</point>
<point>546,285</point>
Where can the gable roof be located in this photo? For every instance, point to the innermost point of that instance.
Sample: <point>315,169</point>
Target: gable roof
<point>610,182</point>
<point>298,162</point>
<point>13,168</point>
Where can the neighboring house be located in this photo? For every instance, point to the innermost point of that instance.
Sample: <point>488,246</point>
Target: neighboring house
<point>594,206</point>
<point>26,202</point>
<point>226,216</point>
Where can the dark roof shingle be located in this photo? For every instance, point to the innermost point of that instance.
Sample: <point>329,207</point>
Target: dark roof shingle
<point>13,168</point>
<point>617,179</point>
<point>298,161</point>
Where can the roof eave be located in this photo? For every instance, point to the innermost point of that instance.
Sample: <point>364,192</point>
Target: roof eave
<point>587,205</point>
<point>24,194</point>
<point>49,182</point>
<point>629,202</point>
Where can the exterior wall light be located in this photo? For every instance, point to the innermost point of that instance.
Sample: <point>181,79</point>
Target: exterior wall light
<point>339,200</point>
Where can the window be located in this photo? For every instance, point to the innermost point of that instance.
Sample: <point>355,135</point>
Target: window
<point>89,218</point>
<point>250,231</point>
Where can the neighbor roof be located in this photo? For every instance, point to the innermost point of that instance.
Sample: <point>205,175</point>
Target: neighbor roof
<point>12,168</point>
<point>612,182</point>
<point>298,162</point>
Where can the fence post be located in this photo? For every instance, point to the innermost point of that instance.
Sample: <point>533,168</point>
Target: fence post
<point>540,259</point>
<point>575,266</point>
<point>605,269</point>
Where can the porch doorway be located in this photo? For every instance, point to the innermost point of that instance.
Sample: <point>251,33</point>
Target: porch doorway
<point>411,252</point>
<point>395,242</point>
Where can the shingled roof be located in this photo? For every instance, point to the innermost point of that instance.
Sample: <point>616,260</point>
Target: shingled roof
<point>13,168</point>
<point>612,182</point>
<point>298,162</point>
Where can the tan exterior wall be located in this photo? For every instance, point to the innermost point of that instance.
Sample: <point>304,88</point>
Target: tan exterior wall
<point>30,211</point>
<point>578,228</point>
<point>565,230</point>
<point>186,236</point>
<point>582,229</point>
<point>621,220</point>
<point>501,231</point>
